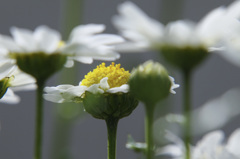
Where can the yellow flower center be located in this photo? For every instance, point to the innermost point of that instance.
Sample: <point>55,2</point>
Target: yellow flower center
<point>116,76</point>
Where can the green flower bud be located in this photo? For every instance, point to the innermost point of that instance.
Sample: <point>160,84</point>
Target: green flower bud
<point>40,65</point>
<point>150,82</point>
<point>4,84</point>
<point>184,58</point>
<point>109,105</point>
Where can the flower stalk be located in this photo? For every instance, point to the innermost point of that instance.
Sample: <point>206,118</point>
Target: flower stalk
<point>187,112</point>
<point>112,135</point>
<point>149,108</point>
<point>38,120</point>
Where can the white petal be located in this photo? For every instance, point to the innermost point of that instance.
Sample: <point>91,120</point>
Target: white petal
<point>211,140</point>
<point>123,88</point>
<point>233,9</point>
<point>69,63</point>
<point>27,87</point>
<point>181,34</point>
<point>215,25</point>
<point>233,142</point>
<point>6,68</point>
<point>58,88</point>
<point>173,85</point>
<point>21,78</point>
<point>89,29</point>
<point>86,54</point>
<point>75,91</point>
<point>8,43</point>
<point>170,150</point>
<point>85,60</point>
<point>105,39</point>
<point>133,18</point>
<point>10,97</point>
<point>24,38</point>
<point>95,89</point>
<point>47,39</point>
<point>56,98</point>
<point>104,83</point>
<point>63,93</point>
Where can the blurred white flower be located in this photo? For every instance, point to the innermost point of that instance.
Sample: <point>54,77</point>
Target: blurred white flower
<point>204,118</point>
<point>12,79</point>
<point>84,45</point>
<point>145,33</point>
<point>212,146</point>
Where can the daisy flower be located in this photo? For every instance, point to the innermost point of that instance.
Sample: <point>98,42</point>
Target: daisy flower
<point>111,79</point>
<point>178,41</point>
<point>84,44</point>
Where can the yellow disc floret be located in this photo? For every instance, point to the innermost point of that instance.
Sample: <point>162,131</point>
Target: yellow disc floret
<point>116,76</point>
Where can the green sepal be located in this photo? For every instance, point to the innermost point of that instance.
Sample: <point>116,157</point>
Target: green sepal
<point>184,58</point>
<point>109,105</point>
<point>4,84</point>
<point>40,65</point>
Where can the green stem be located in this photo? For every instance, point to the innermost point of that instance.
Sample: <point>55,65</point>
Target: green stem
<point>38,124</point>
<point>187,112</point>
<point>112,135</point>
<point>72,16</point>
<point>149,130</point>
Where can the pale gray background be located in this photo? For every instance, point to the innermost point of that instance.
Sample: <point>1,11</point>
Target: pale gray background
<point>89,139</point>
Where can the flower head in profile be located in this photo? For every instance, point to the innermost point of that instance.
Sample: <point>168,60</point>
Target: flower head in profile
<point>103,91</point>
<point>11,80</point>
<point>42,52</point>
<point>84,44</point>
<point>178,41</point>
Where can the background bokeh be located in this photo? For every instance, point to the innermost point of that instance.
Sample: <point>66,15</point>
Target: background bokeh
<point>88,136</point>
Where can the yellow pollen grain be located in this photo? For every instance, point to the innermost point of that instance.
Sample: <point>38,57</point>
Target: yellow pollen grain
<point>116,76</point>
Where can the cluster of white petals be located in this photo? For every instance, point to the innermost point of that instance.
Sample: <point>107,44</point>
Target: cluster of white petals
<point>85,43</point>
<point>19,81</point>
<point>211,146</point>
<point>144,33</point>
<point>69,93</point>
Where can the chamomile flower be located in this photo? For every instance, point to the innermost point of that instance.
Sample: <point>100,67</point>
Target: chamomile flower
<point>42,52</point>
<point>102,86</point>
<point>85,42</point>
<point>178,41</point>
<point>12,80</point>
